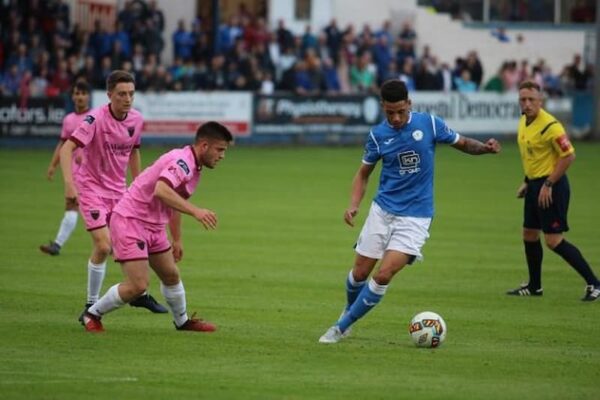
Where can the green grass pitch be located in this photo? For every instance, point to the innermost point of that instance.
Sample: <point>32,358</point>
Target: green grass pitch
<point>272,277</point>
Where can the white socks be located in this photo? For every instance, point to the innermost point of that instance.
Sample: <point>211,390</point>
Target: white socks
<point>109,302</point>
<point>67,226</point>
<point>96,274</point>
<point>175,296</point>
<point>377,288</point>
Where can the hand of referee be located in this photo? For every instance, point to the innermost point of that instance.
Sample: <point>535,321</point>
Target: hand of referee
<point>545,197</point>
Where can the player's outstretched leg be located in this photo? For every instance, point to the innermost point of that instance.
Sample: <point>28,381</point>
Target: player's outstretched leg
<point>592,293</point>
<point>534,254</point>
<point>67,226</point>
<point>147,301</point>
<point>353,289</point>
<point>107,303</point>
<point>571,254</point>
<point>196,325</point>
<point>368,298</point>
<point>175,296</point>
<point>525,289</point>
<point>52,248</point>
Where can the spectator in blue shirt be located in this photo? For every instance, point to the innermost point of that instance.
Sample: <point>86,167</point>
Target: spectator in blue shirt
<point>182,42</point>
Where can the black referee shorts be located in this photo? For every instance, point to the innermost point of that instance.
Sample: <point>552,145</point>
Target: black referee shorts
<point>552,219</point>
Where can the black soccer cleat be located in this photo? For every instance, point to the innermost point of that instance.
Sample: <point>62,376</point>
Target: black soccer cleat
<point>525,290</point>
<point>85,309</point>
<point>592,293</point>
<point>51,248</point>
<point>150,303</point>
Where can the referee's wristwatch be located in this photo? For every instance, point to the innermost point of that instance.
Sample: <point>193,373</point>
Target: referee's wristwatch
<point>548,183</point>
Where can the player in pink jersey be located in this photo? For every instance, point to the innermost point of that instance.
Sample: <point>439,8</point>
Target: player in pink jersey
<point>80,94</point>
<point>110,137</point>
<point>138,227</point>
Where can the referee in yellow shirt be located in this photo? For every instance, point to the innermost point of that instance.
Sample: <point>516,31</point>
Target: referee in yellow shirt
<point>546,153</point>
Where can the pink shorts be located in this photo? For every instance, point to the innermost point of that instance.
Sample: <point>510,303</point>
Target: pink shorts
<point>95,210</point>
<point>133,239</point>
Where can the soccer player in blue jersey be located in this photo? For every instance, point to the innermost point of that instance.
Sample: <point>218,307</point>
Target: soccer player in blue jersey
<point>401,213</point>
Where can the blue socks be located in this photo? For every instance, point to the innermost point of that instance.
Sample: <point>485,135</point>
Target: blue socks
<point>368,298</point>
<point>353,289</point>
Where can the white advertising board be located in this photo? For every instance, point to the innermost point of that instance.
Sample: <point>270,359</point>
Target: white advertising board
<point>180,113</point>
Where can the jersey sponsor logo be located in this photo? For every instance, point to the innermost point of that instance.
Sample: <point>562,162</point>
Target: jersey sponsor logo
<point>183,166</point>
<point>417,135</point>
<point>141,244</point>
<point>119,149</point>
<point>409,162</point>
<point>95,214</point>
<point>564,143</point>
<point>89,119</point>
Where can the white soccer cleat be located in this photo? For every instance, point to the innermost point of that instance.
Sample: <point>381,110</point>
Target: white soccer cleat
<point>333,335</point>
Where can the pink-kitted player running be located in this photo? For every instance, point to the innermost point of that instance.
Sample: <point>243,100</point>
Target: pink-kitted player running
<point>80,94</point>
<point>155,199</point>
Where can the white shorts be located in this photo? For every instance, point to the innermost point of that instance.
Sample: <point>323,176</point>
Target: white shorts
<point>384,231</point>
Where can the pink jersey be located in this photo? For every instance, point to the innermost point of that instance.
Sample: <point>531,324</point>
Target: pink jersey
<point>178,168</point>
<point>107,144</point>
<point>70,123</point>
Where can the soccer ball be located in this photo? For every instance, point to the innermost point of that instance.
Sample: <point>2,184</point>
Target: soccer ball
<point>427,329</point>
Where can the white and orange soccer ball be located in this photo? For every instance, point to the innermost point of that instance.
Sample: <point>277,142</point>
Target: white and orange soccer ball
<point>427,329</point>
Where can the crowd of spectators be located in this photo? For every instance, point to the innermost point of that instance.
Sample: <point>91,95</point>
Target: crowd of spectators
<point>42,53</point>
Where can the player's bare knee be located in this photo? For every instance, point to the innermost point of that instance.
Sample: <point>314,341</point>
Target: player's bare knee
<point>138,287</point>
<point>360,274</point>
<point>171,278</point>
<point>553,240</point>
<point>102,248</point>
<point>383,277</point>
<point>531,235</point>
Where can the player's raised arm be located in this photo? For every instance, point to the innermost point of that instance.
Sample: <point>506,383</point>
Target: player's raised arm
<point>475,147</point>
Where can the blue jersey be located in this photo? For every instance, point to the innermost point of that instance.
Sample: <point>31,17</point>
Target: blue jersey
<point>407,154</point>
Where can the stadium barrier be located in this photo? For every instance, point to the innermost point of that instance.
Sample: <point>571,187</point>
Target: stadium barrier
<point>285,118</point>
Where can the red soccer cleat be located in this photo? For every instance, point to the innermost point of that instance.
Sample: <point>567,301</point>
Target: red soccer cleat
<point>196,325</point>
<point>92,323</point>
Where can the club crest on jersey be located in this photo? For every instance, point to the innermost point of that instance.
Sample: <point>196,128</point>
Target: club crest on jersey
<point>417,135</point>
<point>89,119</point>
<point>141,245</point>
<point>95,214</point>
<point>131,131</point>
<point>409,162</point>
<point>183,166</point>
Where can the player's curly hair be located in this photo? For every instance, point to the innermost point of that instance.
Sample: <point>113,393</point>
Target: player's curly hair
<point>393,91</point>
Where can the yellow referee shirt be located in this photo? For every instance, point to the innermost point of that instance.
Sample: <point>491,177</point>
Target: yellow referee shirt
<point>541,144</point>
